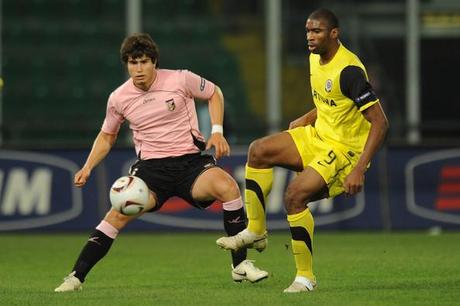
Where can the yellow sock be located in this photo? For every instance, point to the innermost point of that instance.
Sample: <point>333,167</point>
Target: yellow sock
<point>258,185</point>
<point>302,227</point>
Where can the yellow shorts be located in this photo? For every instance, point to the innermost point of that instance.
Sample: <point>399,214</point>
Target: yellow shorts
<point>329,161</point>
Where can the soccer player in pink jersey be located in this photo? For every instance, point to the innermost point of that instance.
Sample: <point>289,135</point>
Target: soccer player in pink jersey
<point>160,108</point>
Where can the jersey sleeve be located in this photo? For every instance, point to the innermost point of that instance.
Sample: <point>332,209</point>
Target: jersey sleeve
<point>198,87</point>
<point>354,85</point>
<point>113,119</point>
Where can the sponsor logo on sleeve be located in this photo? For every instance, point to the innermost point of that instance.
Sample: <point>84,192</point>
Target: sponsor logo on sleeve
<point>202,84</point>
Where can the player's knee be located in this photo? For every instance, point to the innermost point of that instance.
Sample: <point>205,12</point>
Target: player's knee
<point>226,189</point>
<point>294,200</point>
<point>257,152</point>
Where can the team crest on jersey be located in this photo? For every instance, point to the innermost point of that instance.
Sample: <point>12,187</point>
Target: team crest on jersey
<point>328,86</point>
<point>171,104</point>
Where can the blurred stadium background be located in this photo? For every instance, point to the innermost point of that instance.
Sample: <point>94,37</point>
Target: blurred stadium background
<point>60,61</point>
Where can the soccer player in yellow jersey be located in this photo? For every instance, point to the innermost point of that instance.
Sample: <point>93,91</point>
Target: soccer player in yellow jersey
<point>331,147</point>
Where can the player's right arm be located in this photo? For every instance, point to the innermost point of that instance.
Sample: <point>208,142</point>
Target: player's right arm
<point>101,147</point>
<point>307,119</point>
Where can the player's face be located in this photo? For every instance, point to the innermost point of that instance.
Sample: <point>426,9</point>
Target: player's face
<point>142,71</point>
<point>319,36</point>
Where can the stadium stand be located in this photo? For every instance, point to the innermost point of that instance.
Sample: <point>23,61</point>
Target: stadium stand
<point>60,62</point>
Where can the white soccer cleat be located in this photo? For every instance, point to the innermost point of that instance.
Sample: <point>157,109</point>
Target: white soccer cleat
<point>244,239</point>
<point>247,271</point>
<point>300,284</point>
<point>71,283</point>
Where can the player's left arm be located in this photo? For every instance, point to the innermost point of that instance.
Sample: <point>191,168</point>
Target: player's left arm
<point>355,86</point>
<point>216,113</point>
<point>379,126</point>
<point>202,89</point>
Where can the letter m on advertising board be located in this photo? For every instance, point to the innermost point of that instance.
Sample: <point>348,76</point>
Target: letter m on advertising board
<point>25,196</point>
<point>36,190</point>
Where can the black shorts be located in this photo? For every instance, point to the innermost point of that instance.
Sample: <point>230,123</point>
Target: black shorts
<point>173,176</point>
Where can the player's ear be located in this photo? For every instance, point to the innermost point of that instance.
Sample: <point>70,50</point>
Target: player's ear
<point>334,33</point>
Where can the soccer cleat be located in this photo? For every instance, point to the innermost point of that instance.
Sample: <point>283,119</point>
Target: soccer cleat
<point>244,239</point>
<point>247,271</point>
<point>71,283</point>
<point>304,285</point>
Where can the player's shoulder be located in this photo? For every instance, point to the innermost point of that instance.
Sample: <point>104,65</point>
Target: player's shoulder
<point>165,73</point>
<point>349,57</point>
<point>125,91</point>
<point>173,76</point>
<point>120,89</point>
<point>125,85</point>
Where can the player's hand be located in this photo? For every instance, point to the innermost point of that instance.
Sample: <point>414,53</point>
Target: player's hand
<point>354,182</point>
<point>81,177</point>
<point>220,144</point>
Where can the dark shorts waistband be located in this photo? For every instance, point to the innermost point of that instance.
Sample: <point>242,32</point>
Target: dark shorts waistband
<point>171,158</point>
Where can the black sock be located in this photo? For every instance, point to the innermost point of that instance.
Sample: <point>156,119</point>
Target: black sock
<point>96,247</point>
<point>235,222</point>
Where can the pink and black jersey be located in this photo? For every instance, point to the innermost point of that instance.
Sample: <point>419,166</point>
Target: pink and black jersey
<point>162,118</point>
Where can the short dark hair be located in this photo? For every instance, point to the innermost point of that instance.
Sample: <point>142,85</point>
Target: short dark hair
<point>137,45</point>
<point>326,15</point>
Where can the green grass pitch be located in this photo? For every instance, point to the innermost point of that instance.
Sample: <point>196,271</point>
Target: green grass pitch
<point>411,268</point>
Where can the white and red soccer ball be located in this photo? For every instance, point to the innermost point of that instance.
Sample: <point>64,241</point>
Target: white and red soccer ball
<point>130,195</point>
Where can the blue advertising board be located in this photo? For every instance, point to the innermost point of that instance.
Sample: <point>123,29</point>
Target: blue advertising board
<point>406,188</point>
<point>424,188</point>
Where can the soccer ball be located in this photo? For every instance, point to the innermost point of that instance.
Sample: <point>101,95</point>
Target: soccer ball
<point>130,195</point>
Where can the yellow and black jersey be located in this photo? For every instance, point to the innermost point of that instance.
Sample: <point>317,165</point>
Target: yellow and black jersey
<point>341,91</point>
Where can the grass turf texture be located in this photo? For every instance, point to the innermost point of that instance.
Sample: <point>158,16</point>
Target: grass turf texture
<point>188,269</point>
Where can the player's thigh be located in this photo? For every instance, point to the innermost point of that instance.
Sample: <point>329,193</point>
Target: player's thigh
<point>215,184</point>
<point>334,166</point>
<point>307,143</point>
<point>159,180</point>
<point>308,185</point>
<point>275,150</point>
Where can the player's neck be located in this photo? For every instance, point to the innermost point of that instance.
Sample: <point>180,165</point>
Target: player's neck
<point>327,57</point>
<point>154,77</point>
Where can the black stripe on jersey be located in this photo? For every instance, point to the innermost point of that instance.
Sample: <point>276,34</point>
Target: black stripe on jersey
<point>300,233</point>
<point>252,185</point>
<point>355,86</point>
